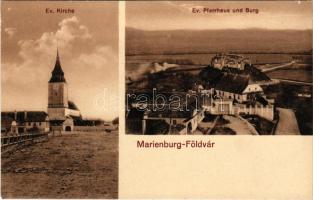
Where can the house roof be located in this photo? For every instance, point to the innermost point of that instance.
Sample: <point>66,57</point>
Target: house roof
<point>72,105</point>
<point>232,83</point>
<point>168,113</point>
<point>255,75</point>
<point>262,100</point>
<point>56,122</point>
<point>57,74</point>
<point>185,111</point>
<point>75,118</point>
<point>170,106</point>
<point>34,116</point>
<point>24,116</point>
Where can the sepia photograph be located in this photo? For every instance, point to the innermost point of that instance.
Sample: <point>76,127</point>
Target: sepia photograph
<point>59,100</point>
<point>218,68</point>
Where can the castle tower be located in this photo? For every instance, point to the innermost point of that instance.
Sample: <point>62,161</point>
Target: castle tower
<point>57,93</point>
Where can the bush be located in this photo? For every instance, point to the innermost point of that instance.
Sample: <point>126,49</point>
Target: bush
<point>115,121</point>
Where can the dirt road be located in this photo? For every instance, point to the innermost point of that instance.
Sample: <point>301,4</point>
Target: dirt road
<point>287,124</point>
<point>79,165</point>
<point>240,126</point>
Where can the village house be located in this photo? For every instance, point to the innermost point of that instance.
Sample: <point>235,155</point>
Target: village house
<point>179,117</point>
<point>177,121</point>
<point>24,121</point>
<point>237,95</point>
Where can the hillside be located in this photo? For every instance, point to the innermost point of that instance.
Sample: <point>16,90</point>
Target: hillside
<point>211,41</point>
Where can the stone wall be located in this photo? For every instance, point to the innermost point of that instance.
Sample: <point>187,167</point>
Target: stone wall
<point>94,128</point>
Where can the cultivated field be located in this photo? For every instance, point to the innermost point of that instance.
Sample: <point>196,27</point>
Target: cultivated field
<point>205,41</point>
<point>138,65</point>
<point>75,165</point>
<point>304,75</point>
<point>205,59</point>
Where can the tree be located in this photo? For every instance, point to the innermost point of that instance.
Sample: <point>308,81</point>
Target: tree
<point>115,121</point>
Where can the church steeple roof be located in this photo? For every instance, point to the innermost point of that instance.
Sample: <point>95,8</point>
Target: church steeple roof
<point>57,75</point>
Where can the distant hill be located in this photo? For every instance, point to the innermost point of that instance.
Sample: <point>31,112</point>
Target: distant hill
<point>212,41</point>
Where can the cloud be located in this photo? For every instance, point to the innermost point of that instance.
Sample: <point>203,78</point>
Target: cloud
<point>100,83</point>
<point>184,7</point>
<point>98,59</point>
<point>10,31</point>
<point>25,83</point>
<point>69,30</point>
<point>38,54</point>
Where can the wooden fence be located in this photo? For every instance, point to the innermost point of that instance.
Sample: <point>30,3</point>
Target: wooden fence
<point>22,138</point>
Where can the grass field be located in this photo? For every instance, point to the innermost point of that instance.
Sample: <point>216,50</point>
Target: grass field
<point>140,64</point>
<point>204,59</point>
<point>75,165</point>
<point>292,74</point>
<point>210,41</point>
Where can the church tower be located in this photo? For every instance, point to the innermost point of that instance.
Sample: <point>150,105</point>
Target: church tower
<point>57,92</point>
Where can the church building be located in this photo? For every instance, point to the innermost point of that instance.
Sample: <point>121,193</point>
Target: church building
<point>62,112</point>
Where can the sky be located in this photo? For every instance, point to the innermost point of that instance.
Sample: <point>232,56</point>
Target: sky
<point>88,47</point>
<point>171,15</point>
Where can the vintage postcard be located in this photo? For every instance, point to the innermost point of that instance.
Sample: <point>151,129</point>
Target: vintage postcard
<point>59,111</point>
<point>156,100</point>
